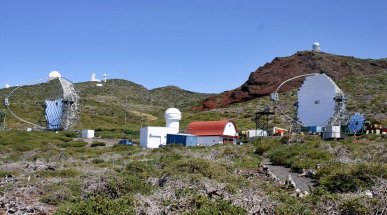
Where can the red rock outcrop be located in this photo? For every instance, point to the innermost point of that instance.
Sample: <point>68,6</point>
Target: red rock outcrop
<point>267,78</point>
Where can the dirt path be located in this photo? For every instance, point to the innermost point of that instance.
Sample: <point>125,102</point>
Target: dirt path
<point>281,172</point>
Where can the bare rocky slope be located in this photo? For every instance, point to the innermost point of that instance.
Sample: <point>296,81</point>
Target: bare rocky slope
<point>266,79</point>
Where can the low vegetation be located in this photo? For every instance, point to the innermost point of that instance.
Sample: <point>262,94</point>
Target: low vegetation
<point>71,177</point>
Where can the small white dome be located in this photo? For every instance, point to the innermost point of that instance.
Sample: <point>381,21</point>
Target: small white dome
<point>54,74</point>
<point>316,46</point>
<point>6,86</point>
<point>172,113</point>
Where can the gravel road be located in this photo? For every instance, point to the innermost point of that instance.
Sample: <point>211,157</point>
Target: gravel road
<point>281,172</point>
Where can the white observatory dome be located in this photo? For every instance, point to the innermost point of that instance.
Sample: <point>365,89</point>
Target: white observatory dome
<point>172,117</point>
<point>316,47</point>
<point>54,74</point>
<point>6,86</point>
<point>172,113</point>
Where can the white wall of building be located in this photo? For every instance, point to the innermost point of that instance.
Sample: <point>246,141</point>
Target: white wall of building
<point>153,137</point>
<point>87,134</point>
<point>208,140</point>
<point>230,130</point>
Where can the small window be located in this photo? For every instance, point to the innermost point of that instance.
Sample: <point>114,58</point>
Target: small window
<point>317,102</point>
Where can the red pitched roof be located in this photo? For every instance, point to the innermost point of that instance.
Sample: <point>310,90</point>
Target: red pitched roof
<point>207,128</point>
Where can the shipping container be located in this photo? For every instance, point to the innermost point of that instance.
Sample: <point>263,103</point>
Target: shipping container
<point>181,139</point>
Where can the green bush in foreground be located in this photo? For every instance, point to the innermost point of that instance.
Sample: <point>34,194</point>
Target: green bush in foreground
<point>72,144</point>
<point>126,183</point>
<point>4,173</point>
<point>96,143</point>
<point>299,156</point>
<point>98,205</point>
<point>67,173</point>
<point>206,206</point>
<point>351,178</point>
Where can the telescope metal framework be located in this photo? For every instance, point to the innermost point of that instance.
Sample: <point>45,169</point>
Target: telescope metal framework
<point>64,115</point>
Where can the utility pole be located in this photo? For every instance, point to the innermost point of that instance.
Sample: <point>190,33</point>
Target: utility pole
<point>126,107</point>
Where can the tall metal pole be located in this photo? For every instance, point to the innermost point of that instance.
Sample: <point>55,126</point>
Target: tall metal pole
<point>126,107</point>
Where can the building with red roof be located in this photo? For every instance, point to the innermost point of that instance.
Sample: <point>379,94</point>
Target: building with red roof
<point>213,132</point>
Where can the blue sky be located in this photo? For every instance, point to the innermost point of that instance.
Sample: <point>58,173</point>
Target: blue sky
<point>198,45</point>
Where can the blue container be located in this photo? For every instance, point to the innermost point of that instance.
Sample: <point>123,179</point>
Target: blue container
<point>176,139</point>
<point>181,139</point>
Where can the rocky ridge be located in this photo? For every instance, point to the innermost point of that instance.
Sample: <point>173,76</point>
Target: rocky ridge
<point>266,79</point>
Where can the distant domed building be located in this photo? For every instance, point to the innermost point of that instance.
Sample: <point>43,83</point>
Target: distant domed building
<point>53,75</point>
<point>316,47</point>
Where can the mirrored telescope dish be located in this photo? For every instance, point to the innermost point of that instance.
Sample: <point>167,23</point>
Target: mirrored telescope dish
<point>316,103</point>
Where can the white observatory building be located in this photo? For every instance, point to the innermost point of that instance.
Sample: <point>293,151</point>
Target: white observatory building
<point>153,137</point>
<point>6,86</point>
<point>94,79</point>
<point>316,47</point>
<point>172,118</point>
<point>53,75</point>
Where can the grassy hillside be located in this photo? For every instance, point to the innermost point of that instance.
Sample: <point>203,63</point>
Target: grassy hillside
<point>107,106</point>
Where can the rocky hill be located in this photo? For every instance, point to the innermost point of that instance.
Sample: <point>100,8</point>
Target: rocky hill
<point>266,79</point>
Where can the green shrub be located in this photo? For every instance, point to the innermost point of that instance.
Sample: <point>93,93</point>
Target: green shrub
<point>96,143</point>
<point>54,197</point>
<point>67,173</point>
<point>264,146</point>
<point>127,183</point>
<point>299,156</point>
<point>350,178</point>
<point>65,139</point>
<point>72,144</point>
<point>353,206</point>
<point>204,205</point>
<point>200,166</point>
<point>71,134</point>
<point>247,161</point>
<point>97,161</point>
<point>5,173</point>
<point>98,205</point>
<point>142,169</point>
<point>231,152</point>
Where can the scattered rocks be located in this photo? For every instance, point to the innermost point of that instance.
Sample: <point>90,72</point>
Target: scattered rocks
<point>254,200</point>
<point>23,200</point>
<point>40,165</point>
<point>8,179</point>
<point>289,183</point>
